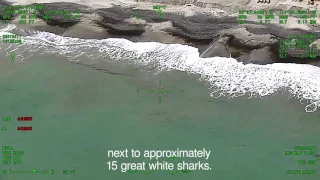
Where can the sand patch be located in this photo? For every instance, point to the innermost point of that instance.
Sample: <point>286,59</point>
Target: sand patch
<point>86,31</point>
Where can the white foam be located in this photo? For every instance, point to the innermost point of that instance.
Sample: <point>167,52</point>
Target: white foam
<point>227,76</point>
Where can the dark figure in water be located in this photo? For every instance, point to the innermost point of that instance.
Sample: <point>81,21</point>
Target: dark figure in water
<point>265,1</point>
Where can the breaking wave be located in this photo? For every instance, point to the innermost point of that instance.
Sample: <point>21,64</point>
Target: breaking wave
<point>227,76</point>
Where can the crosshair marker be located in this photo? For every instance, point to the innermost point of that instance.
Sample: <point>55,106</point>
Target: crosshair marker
<point>12,57</point>
<point>160,91</point>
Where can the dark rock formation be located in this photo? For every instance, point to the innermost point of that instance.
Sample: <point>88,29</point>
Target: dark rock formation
<point>245,39</point>
<point>264,43</point>
<point>115,14</point>
<point>260,42</point>
<point>218,48</point>
<point>114,23</point>
<point>277,31</point>
<point>123,29</point>
<point>6,13</point>
<point>201,27</point>
<point>58,13</point>
<point>259,56</point>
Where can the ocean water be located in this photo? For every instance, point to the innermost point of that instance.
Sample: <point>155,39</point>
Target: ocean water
<point>90,96</point>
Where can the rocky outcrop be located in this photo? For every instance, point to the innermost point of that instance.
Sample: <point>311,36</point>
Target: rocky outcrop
<point>259,56</point>
<point>218,48</point>
<point>122,29</point>
<point>316,44</point>
<point>253,42</point>
<point>245,39</point>
<point>201,27</point>
<point>4,14</point>
<point>265,48</point>
<point>60,14</point>
<point>113,20</point>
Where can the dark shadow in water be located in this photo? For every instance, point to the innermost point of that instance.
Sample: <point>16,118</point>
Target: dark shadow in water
<point>105,70</point>
<point>8,89</point>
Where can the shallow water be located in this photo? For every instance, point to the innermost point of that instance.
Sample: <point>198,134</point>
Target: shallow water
<point>79,113</point>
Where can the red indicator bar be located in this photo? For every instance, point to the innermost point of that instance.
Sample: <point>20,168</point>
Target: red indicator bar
<point>25,128</point>
<point>27,118</point>
<point>24,118</point>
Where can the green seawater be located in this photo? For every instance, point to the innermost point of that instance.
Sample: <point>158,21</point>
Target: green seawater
<point>79,113</point>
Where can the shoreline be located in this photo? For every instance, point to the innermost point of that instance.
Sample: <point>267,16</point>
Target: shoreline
<point>199,27</point>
